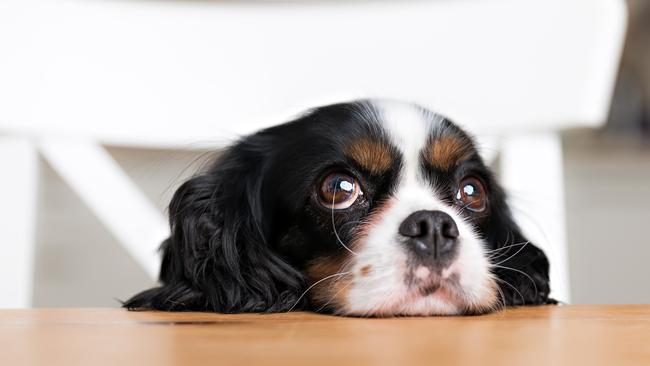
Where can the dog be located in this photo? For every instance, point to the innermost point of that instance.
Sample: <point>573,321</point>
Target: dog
<point>366,208</point>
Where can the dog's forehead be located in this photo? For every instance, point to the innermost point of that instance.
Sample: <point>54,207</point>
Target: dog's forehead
<point>411,134</point>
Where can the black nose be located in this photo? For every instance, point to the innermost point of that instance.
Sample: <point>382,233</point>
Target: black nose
<point>431,235</point>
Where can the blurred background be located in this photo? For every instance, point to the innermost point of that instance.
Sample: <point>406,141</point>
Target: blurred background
<point>106,106</point>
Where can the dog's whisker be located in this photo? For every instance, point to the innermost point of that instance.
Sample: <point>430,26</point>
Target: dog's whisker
<point>334,296</point>
<point>519,271</point>
<point>506,244</point>
<point>506,247</point>
<point>313,285</point>
<point>512,256</point>
<point>503,297</point>
<point>497,255</point>
<point>523,300</point>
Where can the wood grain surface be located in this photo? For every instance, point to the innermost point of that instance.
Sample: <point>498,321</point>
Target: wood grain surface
<point>548,335</point>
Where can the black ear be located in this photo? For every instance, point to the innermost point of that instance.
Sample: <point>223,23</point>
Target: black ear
<point>521,268</point>
<point>218,256</point>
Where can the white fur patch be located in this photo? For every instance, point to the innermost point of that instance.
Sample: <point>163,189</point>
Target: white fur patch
<point>408,129</point>
<point>385,290</point>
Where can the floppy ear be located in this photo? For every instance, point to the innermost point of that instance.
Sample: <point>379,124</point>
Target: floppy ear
<point>218,257</point>
<point>520,266</point>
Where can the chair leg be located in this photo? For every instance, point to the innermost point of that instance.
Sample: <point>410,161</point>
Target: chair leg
<point>18,199</point>
<point>111,195</point>
<point>532,174</point>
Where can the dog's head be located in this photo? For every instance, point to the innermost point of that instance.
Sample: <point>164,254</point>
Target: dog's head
<point>363,208</point>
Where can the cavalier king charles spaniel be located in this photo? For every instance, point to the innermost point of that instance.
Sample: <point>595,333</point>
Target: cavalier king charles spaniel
<point>367,208</point>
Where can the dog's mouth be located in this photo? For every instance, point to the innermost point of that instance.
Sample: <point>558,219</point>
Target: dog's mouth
<point>443,284</point>
<point>427,281</point>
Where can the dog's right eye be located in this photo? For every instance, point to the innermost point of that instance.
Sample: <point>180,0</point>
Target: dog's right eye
<point>339,191</point>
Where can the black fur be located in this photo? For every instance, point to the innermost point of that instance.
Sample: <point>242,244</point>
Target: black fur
<point>218,257</point>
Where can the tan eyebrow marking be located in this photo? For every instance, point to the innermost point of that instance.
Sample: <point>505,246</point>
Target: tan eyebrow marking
<point>447,152</point>
<point>375,156</point>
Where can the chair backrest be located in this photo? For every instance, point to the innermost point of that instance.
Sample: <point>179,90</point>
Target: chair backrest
<point>157,73</point>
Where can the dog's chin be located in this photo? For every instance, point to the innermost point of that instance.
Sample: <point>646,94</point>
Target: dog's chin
<point>429,292</point>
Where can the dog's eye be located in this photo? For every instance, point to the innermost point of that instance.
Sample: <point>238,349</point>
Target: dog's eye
<point>339,191</point>
<point>471,194</point>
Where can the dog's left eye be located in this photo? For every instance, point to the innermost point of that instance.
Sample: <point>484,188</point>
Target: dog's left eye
<point>471,194</point>
<point>339,191</point>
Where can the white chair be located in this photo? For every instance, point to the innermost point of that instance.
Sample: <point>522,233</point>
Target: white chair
<point>77,75</point>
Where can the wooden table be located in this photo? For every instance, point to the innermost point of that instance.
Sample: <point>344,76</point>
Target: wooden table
<point>549,335</point>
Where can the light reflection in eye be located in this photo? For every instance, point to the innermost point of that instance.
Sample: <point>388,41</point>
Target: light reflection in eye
<point>469,189</point>
<point>471,194</point>
<point>346,186</point>
<point>339,191</point>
